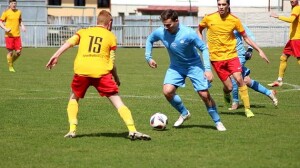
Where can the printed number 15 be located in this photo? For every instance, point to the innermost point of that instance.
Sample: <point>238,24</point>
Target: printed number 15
<point>95,44</point>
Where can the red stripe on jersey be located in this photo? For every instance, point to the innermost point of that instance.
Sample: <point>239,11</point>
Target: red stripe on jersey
<point>113,48</point>
<point>243,33</point>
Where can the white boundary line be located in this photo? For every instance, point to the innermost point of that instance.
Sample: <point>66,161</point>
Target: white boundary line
<point>294,88</point>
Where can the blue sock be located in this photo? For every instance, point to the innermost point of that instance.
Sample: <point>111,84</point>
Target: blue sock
<point>176,102</point>
<point>212,111</point>
<point>235,91</point>
<point>259,88</point>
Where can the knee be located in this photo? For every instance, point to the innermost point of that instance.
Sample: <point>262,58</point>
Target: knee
<point>283,58</point>
<point>247,80</point>
<point>298,60</point>
<point>168,93</point>
<point>18,53</point>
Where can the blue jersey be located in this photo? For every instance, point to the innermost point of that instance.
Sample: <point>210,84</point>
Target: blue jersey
<point>181,47</point>
<point>240,45</point>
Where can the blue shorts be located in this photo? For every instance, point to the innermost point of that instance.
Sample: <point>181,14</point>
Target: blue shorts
<point>176,76</point>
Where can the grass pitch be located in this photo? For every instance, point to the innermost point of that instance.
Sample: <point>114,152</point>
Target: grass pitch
<point>34,120</point>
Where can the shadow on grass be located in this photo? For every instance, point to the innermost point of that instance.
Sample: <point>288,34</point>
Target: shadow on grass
<point>241,106</point>
<point>106,134</point>
<point>194,126</point>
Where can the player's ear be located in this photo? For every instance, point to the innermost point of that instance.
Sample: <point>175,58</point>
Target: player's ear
<point>110,24</point>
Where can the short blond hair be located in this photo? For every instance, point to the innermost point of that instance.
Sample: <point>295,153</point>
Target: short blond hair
<point>104,18</point>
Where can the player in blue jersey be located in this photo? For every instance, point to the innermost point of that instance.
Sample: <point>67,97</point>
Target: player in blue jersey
<point>253,84</point>
<point>181,43</point>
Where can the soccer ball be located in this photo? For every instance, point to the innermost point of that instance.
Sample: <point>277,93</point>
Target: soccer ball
<point>159,121</point>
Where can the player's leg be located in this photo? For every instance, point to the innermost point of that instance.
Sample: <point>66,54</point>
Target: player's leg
<point>227,88</point>
<point>243,91</point>
<point>169,91</point>
<point>79,86</point>
<point>211,109</point>
<point>235,95</point>
<point>282,67</point>
<point>16,55</point>
<point>287,52</point>
<point>174,79</point>
<point>221,68</point>
<point>18,48</point>
<point>258,87</point>
<point>126,115</point>
<point>9,58</point>
<point>72,111</point>
<point>106,86</point>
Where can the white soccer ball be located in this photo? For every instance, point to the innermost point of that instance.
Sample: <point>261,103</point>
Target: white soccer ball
<point>159,121</point>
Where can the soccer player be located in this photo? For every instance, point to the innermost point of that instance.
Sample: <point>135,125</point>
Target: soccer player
<point>222,47</point>
<point>292,47</point>
<point>94,66</point>
<point>13,20</point>
<point>253,84</point>
<point>181,43</point>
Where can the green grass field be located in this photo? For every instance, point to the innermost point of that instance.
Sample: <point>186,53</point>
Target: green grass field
<point>33,118</point>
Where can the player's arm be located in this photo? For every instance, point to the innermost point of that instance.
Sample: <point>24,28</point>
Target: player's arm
<point>68,44</point>
<point>148,49</point>
<point>255,46</point>
<point>202,25</point>
<point>199,32</point>
<point>112,55</point>
<point>205,57</point>
<point>115,75</point>
<point>249,51</point>
<point>294,15</point>
<point>23,28</point>
<point>3,26</point>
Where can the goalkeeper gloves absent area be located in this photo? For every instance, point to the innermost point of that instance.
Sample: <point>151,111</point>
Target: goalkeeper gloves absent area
<point>248,54</point>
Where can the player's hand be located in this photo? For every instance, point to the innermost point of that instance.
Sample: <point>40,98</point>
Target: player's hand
<point>152,63</point>
<point>209,76</point>
<point>263,56</point>
<point>8,30</point>
<point>52,62</point>
<point>274,15</point>
<point>248,54</point>
<point>117,80</point>
<point>23,28</point>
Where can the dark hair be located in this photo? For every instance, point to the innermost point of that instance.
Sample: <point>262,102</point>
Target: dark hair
<point>169,14</point>
<point>227,1</point>
<point>12,1</point>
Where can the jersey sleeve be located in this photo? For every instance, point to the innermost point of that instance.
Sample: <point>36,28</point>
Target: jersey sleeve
<point>249,34</point>
<point>239,27</point>
<point>74,40</point>
<point>3,17</point>
<point>200,45</point>
<point>203,24</point>
<point>294,15</point>
<point>153,37</point>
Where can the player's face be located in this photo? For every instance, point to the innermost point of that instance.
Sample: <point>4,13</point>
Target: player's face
<point>13,5</point>
<point>223,7</point>
<point>171,26</point>
<point>294,2</point>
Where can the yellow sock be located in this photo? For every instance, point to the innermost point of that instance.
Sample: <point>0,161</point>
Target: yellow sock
<point>243,91</point>
<point>9,60</point>
<point>125,114</point>
<point>282,66</point>
<point>72,114</point>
